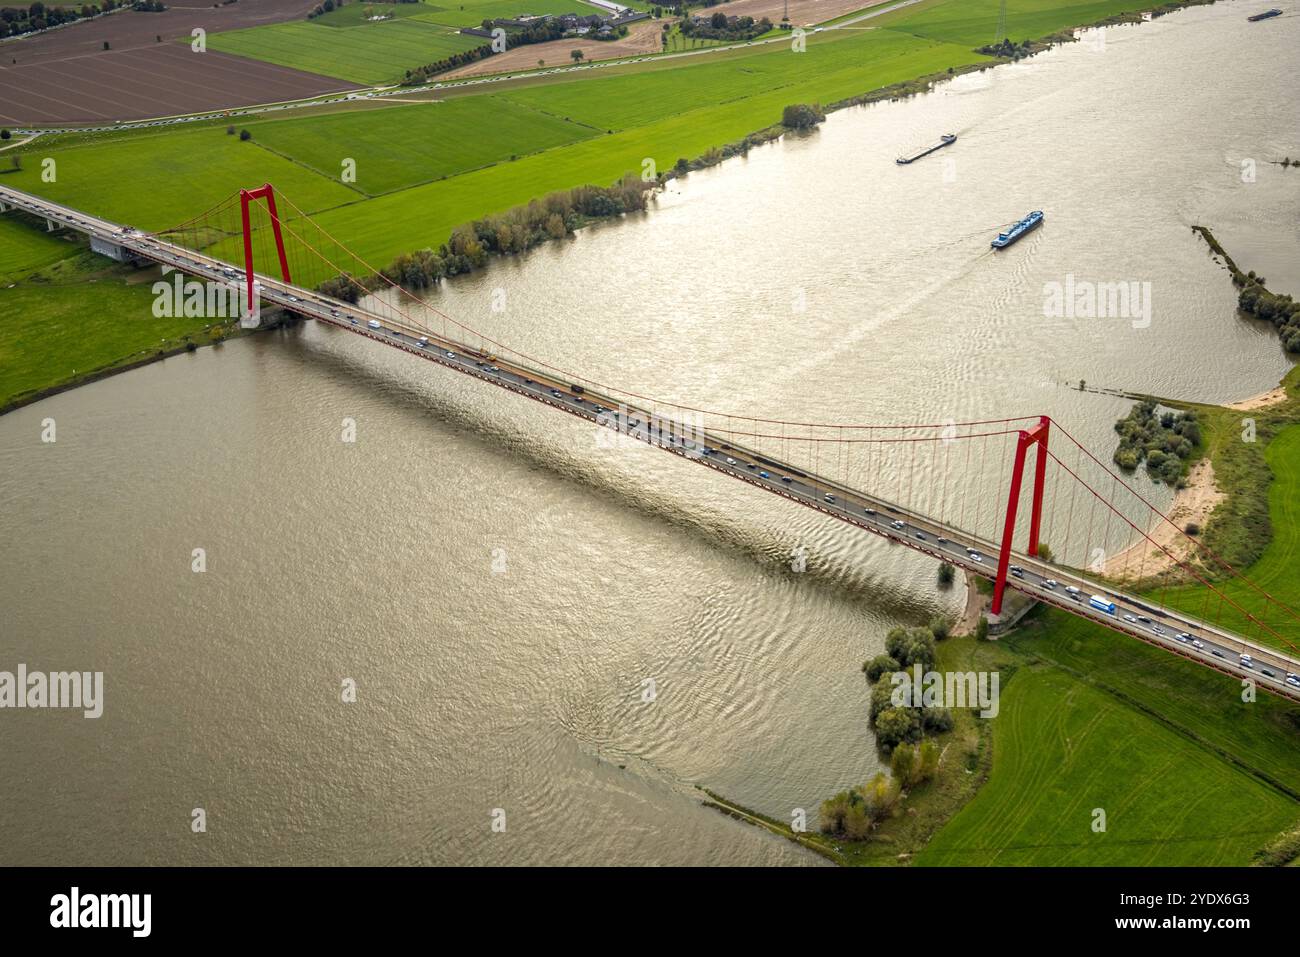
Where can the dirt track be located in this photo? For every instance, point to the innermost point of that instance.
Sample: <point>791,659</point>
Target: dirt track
<point>66,76</point>
<point>642,37</point>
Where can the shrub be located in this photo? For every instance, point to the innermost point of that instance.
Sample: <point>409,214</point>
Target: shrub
<point>946,574</point>
<point>245,135</point>
<point>802,116</point>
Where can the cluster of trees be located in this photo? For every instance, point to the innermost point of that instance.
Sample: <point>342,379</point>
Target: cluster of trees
<point>551,217</point>
<point>897,724</point>
<point>854,813</point>
<point>149,6</point>
<point>1279,309</point>
<point>321,9</point>
<point>1165,440</point>
<point>802,116</point>
<point>722,27</point>
<point>1007,48</point>
<point>613,34</point>
<point>15,21</point>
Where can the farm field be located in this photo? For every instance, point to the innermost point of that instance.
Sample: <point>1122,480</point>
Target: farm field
<point>115,67</point>
<point>1063,749</point>
<point>415,143</point>
<point>371,54</point>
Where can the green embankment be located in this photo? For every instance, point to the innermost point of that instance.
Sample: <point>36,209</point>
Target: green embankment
<point>80,316</point>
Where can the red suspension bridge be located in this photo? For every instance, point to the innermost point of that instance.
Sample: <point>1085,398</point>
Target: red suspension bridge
<point>983,496</point>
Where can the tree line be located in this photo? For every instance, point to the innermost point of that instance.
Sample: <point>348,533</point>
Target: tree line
<point>15,21</point>
<point>719,26</point>
<point>551,217</point>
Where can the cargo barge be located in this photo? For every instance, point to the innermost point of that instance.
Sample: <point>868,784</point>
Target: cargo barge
<point>1019,230</point>
<point>946,140</point>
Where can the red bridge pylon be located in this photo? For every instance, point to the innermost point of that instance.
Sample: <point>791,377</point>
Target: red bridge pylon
<point>246,197</point>
<point>1035,436</point>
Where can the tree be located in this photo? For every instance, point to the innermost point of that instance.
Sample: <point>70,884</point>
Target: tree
<point>895,726</point>
<point>903,765</point>
<point>927,764</point>
<point>577,55</point>
<point>911,646</point>
<point>940,627</point>
<point>946,574</point>
<point>878,666</point>
<point>5,134</point>
<point>879,795</point>
<point>245,135</point>
<point>982,629</point>
<point>718,21</point>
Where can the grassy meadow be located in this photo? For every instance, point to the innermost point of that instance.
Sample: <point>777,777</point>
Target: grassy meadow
<point>369,54</point>
<point>409,144</point>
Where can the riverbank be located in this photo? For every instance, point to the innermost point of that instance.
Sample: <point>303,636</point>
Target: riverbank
<point>1169,546</point>
<point>82,318</point>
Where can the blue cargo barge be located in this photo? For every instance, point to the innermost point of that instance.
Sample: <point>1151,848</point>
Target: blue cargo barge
<point>1266,15</point>
<point>1020,229</point>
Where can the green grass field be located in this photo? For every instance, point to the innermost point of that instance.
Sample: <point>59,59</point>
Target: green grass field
<point>1063,749</point>
<point>471,14</point>
<point>370,54</point>
<point>974,22</point>
<point>405,145</point>
<point>25,247</point>
<point>78,320</point>
<point>199,167</point>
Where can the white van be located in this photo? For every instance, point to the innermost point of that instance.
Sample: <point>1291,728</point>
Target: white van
<point>373,323</point>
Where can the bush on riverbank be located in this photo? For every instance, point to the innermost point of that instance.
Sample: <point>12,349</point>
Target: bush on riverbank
<point>802,116</point>
<point>1165,440</point>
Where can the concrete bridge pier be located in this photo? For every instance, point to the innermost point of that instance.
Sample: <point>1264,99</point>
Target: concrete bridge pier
<point>50,225</point>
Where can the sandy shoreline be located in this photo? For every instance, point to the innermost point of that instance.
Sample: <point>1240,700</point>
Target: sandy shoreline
<point>1263,400</point>
<point>1192,505</point>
